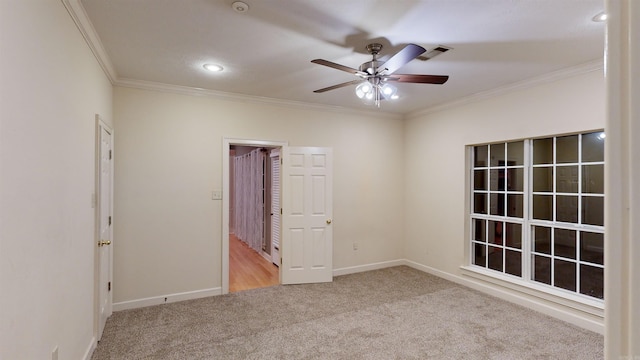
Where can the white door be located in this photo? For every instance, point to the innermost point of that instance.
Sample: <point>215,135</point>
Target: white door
<point>275,207</point>
<point>307,241</point>
<point>104,230</point>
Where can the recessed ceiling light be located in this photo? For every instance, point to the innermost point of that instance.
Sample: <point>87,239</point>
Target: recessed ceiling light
<point>213,67</point>
<point>600,17</point>
<point>240,7</point>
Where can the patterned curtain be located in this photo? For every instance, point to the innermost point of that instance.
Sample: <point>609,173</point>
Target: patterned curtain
<point>249,198</point>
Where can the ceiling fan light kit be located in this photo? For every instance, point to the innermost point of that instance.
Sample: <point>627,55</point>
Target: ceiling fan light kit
<point>373,84</point>
<point>373,93</point>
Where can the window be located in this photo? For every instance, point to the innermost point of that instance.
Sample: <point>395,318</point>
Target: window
<point>537,211</point>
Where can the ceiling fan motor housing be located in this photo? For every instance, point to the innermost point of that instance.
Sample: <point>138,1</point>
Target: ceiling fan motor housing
<point>370,67</point>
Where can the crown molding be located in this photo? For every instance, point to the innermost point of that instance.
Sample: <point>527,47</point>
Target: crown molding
<point>191,91</point>
<point>80,18</point>
<point>596,65</point>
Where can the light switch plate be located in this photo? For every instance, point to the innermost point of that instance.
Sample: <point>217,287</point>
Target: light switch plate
<point>216,195</point>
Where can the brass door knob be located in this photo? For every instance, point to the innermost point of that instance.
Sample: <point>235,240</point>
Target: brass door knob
<point>104,242</point>
<point>328,221</point>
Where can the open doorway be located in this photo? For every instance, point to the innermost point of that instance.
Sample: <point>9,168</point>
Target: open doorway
<point>234,146</point>
<point>305,193</point>
<point>254,222</point>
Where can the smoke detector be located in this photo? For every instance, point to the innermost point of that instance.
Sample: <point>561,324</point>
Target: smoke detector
<point>240,7</point>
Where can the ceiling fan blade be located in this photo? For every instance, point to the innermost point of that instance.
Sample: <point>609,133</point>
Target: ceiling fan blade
<point>352,82</point>
<point>402,57</point>
<point>336,66</point>
<point>420,79</point>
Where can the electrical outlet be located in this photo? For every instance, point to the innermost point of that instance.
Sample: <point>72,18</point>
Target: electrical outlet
<point>54,353</point>
<point>216,195</point>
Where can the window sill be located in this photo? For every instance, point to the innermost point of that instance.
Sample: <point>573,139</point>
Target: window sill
<point>560,297</point>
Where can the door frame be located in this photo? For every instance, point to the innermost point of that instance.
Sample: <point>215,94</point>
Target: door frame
<point>226,147</point>
<point>100,125</point>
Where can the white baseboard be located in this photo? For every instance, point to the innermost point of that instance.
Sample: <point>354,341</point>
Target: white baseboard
<point>92,347</point>
<point>557,311</point>
<point>165,299</point>
<point>367,267</point>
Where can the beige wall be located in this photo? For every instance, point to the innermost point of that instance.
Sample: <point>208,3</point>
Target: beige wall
<point>435,156</point>
<point>168,159</point>
<point>51,89</point>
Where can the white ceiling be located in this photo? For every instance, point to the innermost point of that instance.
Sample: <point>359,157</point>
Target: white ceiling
<point>267,50</point>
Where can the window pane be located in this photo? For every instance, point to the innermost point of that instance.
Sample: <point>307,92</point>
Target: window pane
<point>513,261</point>
<point>515,153</point>
<point>515,179</point>
<point>480,203</point>
<point>592,281</point>
<point>514,235</point>
<point>567,209</point>
<point>543,151</point>
<point>593,210</point>
<point>542,239</point>
<point>593,179</point>
<point>514,205</point>
<point>495,258</point>
<point>564,274</point>
<point>497,204</point>
<point>478,231</point>
<point>567,149</point>
<point>496,179</point>
<point>480,179</point>
<point>593,147</point>
<point>480,154</point>
<point>479,252</point>
<point>592,247</point>
<point>542,269</point>
<point>497,155</point>
<point>564,243</point>
<point>543,179</point>
<point>542,207</point>
<point>567,179</point>
<point>495,232</point>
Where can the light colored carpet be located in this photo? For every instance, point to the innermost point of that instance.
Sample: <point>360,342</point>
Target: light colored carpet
<point>394,313</point>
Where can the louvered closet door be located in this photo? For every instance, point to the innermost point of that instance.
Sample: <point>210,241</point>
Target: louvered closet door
<point>275,207</point>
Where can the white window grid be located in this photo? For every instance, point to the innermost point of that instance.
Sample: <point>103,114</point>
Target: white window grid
<point>505,219</point>
<point>527,222</point>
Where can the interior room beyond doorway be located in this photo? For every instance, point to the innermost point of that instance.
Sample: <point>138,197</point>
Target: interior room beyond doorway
<point>247,269</point>
<point>254,189</point>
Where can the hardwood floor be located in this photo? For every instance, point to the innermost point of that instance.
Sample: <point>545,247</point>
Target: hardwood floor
<point>248,269</point>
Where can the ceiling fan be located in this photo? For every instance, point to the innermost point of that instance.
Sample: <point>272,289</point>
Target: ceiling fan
<point>374,77</point>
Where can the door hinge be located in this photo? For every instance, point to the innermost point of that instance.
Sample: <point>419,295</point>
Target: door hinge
<point>109,220</point>
<point>109,154</point>
<point>109,286</point>
<point>280,211</point>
